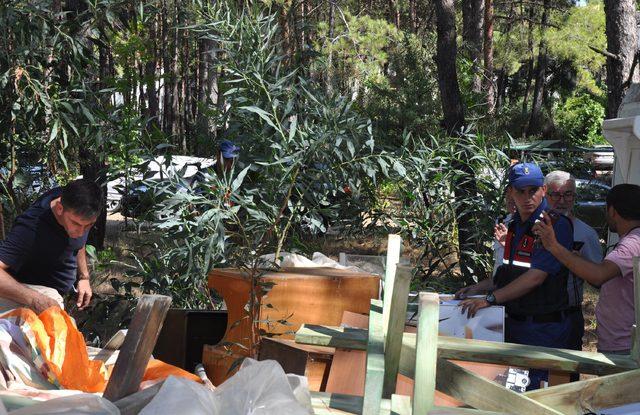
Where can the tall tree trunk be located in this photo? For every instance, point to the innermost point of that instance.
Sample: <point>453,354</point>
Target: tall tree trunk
<point>622,42</point>
<point>394,12</point>
<point>169,78</point>
<point>472,37</point>
<point>150,75</point>
<point>527,90</point>
<point>175,71</point>
<point>2,236</point>
<point>413,16</point>
<point>535,121</point>
<point>329,72</point>
<point>489,86</point>
<point>501,92</point>
<point>454,121</point>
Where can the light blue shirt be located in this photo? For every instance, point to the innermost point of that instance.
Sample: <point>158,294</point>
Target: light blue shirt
<point>591,250</point>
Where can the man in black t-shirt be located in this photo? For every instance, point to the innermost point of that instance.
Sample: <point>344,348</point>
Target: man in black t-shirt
<point>46,247</point>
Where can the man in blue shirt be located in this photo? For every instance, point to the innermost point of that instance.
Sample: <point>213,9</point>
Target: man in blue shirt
<point>530,283</point>
<point>45,248</point>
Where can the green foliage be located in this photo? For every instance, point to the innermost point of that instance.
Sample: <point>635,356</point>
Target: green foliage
<point>580,120</point>
<point>429,215</point>
<point>358,51</point>
<point>409,100</point>
<point>43,90</point>
<point>307,159</point>
<point>583,28</point>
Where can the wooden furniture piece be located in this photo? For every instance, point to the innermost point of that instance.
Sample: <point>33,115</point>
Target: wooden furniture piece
<point>299,295</point>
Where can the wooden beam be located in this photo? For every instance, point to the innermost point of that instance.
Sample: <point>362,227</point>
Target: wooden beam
<point>393,336</point>
<point>424,387</point>
<point>563,360</point>
<point>137,346</point>
<point>374,378</point>
<point>476,351</point>
<point>332,336</point>
<point>394,246</point>
<point>635,346</point>
<point>591,395</point>
<point>400,405</point>
<point>334,403</point>
<point>484,394</point>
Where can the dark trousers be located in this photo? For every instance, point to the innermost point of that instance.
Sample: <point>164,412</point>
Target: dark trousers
<point>556,334</point>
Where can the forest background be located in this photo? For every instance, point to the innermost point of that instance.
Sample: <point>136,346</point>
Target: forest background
<point>360,116</point>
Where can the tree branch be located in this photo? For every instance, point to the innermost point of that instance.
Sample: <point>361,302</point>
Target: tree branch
<point>629,80</point>
<point>605,53</point>
<point>523,18</point>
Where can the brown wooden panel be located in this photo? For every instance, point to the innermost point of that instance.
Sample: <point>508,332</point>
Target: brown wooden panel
<point>137,347</point>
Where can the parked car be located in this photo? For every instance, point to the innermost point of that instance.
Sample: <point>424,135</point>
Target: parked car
<point>591,205</point>
<point>139,197</point>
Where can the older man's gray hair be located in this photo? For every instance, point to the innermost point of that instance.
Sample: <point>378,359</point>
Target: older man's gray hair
<point>560,177</point>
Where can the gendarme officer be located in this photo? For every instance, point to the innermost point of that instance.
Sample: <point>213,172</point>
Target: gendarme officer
<point>530,283</point>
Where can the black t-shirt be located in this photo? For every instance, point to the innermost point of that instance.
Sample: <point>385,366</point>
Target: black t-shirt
<point>39,251</point>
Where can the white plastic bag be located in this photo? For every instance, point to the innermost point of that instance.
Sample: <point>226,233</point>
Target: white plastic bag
<point>258,388</point>
<point>179,396</point>
<point>80,404</point>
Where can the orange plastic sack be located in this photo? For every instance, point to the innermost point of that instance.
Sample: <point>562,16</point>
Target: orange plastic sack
<point>60,354</point>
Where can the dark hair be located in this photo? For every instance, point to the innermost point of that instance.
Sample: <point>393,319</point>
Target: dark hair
<point>83,197</point>
<point>625,199</point>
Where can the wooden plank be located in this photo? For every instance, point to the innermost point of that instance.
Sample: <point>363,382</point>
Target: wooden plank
<point>137,346</point>
<point>477,351</point>
<point>558,378</point>
<point>305,347</point>
<point>348,367</point>
<point>635,346</point>
<point>521,355</point>
<point>133,404</point>
<point>394,246</point>
<point>594,394</point>
<point>438,410</point>
<point>400,405</point>
<point>291,359</point>
<point>333,336</point>
<point>335,403</point>
<point>426,354</point>
<point>483,394</point>
<point>330,403</point>
<point>374,377</point>
<point>393,337</point>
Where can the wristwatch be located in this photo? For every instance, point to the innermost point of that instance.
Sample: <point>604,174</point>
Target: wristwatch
<point>490,298</point>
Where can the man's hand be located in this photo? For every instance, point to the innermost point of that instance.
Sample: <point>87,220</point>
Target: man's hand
<point>544,230</point>
<point>84,293</point>
<point>40,302</point>
<point>464,292</point>
<point>500,233</point>
<point>472,306</point>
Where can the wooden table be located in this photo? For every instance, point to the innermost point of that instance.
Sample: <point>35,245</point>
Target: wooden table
<point>300,295</point>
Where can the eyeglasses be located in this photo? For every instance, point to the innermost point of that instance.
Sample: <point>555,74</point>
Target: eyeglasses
<point>555,196</point>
